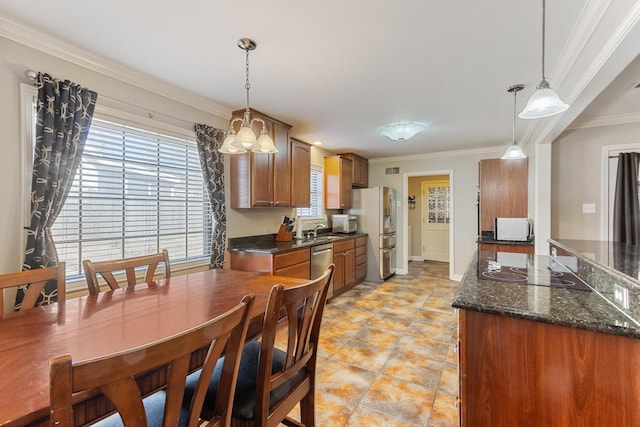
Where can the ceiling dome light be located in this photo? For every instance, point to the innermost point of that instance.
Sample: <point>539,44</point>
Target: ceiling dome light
<point>514,151</point>
<point>544,102</point>
<point>401,131</point>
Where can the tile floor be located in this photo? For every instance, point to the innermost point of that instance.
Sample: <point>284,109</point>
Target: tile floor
<point>387,355</point>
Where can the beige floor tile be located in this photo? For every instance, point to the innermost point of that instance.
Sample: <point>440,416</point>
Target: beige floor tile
<point>413,369</point>
<point>344,381</point>
<point>423,346</point>
<point>367,356</point>
<point>366,417</point>
<point>378,337</point>
<point>388,322</point>
<point>332,410</point>
<point>445,412</point>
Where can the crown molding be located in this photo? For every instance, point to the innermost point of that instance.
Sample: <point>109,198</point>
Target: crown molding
<point>442,154</point>
<point>83,58</point>
<point>612,120</point>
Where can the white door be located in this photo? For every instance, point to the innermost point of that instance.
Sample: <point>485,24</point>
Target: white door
<point>435,220</point>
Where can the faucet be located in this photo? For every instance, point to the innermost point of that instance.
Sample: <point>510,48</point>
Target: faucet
<point>315,230</point>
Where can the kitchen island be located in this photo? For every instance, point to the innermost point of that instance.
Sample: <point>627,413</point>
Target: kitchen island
<point>551,349</point>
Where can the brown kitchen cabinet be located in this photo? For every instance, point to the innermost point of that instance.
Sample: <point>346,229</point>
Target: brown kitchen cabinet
<point>296,263</point>
<point>266,180</point>
<point>300,173</point>
<point>505,247</point>
<point>503,188</point>
<point>359,170</point>
<point>361,258</point>
<point>517,372</point>
<point>344,258</point>
<point>337,182</point>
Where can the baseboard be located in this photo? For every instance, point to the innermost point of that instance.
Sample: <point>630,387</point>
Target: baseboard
<point>402,271</point>
<point>456,277</point>
<point>416,258</point>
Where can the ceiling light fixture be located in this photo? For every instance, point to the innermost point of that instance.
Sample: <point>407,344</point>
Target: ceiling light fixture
<point>514,151</point>
<point>544,102</point>
<point>401,131</point>
<point>245,139</point>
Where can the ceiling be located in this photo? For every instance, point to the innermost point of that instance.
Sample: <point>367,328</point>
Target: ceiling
<point>335,70</point>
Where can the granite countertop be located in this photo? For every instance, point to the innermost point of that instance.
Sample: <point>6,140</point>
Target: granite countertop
<point>566,307</point>
<point>268,244</point>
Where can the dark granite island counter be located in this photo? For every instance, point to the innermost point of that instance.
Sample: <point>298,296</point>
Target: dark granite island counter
<point>537,355</point>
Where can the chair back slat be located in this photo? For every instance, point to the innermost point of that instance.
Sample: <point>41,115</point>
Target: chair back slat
<point>114,375</point>
<point>34,282</point>
<point>106,270</point>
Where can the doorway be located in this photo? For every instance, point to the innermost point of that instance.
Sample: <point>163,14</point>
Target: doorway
<point>416,218</point>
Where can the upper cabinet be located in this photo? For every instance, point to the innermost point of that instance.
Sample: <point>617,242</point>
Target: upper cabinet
<point>360,170</point>
<point>266,180</point>
<point>337,182</point>
<point>503,190</point>
<point>300,173</point>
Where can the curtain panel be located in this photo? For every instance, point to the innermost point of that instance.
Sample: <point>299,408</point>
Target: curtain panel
<point>626,208</point>
<point>209,140</point>
<point>64,114</point>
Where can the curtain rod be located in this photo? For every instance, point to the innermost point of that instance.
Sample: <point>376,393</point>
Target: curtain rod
<point>33,75</point>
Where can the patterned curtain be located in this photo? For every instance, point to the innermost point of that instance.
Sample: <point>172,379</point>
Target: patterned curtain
<point>64,116</point>
<point>626,207</point>
<point>212,163</point>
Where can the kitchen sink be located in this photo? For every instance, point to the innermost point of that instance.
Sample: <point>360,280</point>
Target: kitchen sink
<point>326,238</point>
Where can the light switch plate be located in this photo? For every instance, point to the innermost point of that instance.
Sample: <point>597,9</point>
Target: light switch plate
<point>588,208</point>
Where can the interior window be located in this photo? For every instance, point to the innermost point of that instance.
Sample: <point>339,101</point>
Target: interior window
<point>316,209</point>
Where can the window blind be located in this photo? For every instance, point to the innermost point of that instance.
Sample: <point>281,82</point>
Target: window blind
<point>136,192</point>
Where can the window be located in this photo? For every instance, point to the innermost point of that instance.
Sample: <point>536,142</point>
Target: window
<point>316,209</point>
<point>136,192</point>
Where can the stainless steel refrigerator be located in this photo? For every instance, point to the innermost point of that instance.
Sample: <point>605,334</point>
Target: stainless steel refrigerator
<point>376,210</point>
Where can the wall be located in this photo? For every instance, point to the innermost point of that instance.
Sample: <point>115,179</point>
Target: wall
<point>464,167</point>
<point>576,178</point>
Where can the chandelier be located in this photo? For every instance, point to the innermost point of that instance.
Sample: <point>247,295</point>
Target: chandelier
<point>245,139</point>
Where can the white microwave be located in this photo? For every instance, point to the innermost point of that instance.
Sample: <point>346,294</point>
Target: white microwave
<point>513,229</point>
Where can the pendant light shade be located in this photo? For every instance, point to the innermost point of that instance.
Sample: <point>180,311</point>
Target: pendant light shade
<point>245,139</point>
<point>544,102</point>
<point>514,151</point>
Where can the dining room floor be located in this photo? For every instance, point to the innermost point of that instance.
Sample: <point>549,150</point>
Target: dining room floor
<point>387,353</point>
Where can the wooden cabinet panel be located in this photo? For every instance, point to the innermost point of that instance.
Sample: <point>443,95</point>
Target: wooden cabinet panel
<point>300,173</point>
<point>281,166</point>
<point>344,258</point>
<point>503,190</point>
<point>338,272</point>
<point>516,372</point>
<point>291,264</point>
<point>361,258</point>
<point>498,247</point>
<point>360,169</point>
<point>337,182</point>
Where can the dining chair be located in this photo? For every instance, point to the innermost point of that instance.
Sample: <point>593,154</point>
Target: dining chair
<point>114,376</point>
<point>272,381</point>
<point>35,280</point>
<point>106,269</point>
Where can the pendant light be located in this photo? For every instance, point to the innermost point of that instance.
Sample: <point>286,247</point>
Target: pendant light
<point>544,102</point>
<point>245,139</point>
<point>514,151</point>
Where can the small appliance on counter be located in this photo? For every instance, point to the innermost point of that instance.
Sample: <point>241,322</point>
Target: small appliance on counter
<point>513,229</point>
<point>344,223</point>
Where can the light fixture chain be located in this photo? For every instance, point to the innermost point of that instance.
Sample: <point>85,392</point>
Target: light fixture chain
<point>543,32</point>
<point>247,85</point>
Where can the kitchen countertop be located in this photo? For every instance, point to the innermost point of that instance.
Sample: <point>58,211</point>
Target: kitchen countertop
<point>590,310</point>
<point>268,244</point>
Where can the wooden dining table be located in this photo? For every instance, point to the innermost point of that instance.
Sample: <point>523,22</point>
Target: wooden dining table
<point>98,325</point>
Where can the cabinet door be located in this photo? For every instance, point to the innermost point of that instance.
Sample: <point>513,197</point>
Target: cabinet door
<point>338,272</point>
<point>300,174</point>
<point>503,190</point>
<point>346,183</point>
<point>282,167</point>
<point>349,268</point>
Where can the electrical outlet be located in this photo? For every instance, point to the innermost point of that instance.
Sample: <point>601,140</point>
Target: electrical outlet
<point>588,208</point>
<point>621,296</point>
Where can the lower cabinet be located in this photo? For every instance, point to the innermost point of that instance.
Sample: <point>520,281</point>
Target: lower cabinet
<point>295,263</point>
<point>344,258</point>
<point>517,372</point>
<point>361,258</point>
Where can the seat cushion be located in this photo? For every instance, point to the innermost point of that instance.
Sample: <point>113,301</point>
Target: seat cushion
<point>245,396</point>
<point>154,409</point>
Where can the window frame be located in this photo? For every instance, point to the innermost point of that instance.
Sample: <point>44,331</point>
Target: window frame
<point>109,111</point>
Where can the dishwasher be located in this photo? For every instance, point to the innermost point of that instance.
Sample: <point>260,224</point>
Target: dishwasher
<point>321,258</point>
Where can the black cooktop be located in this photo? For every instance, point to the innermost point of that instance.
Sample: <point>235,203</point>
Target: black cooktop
<point>528,270</point>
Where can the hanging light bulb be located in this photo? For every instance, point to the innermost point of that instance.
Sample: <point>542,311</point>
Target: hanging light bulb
<point>544,102</point>
<point>245,139</point>
<point>514,151</point>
